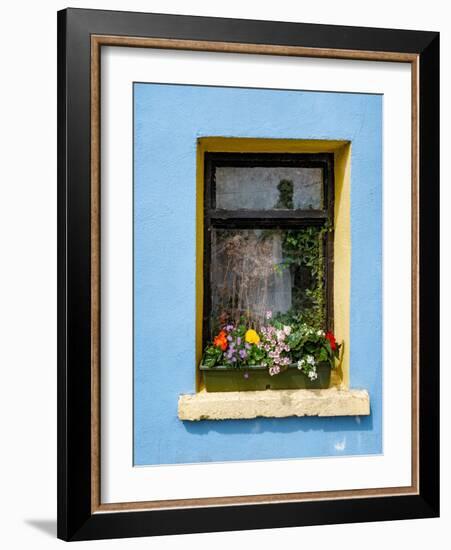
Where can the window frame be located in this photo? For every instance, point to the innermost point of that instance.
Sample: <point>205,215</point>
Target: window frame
<point>215,218</point>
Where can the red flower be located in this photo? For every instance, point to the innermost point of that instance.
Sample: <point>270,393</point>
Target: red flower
<point>220,341</point>
<point>332,341</point>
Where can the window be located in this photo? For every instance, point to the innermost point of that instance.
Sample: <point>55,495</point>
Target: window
<point>268,237</point>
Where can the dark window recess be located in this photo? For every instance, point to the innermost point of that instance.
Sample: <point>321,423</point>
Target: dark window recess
<point>268,223</point>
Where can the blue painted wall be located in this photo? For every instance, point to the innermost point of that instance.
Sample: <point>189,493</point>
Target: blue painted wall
<point>168,120</point>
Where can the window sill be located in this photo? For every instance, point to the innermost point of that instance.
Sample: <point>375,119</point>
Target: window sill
<point>273,404</point>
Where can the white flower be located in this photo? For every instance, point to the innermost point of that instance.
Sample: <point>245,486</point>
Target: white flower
<point>313,375</point>
<point>268,314</point>
<point>287,329</point>
<point>280,334</point>
<point>310,360</point>
<point>320,333</point>
<point>300,364</point>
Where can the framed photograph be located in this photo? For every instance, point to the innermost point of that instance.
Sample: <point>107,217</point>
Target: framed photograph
<point>248,274</point>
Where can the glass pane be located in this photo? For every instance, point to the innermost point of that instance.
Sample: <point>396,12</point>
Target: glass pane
<point>254,271</point>
<point>268,188</point>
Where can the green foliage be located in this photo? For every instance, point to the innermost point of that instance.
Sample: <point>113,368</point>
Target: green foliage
<point>303,252</point>
<point>256,356</point>
<point>212,356</point>
<point>305,341</point>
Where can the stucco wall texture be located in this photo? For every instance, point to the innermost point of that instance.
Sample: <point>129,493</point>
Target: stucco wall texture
<point>168,120</point>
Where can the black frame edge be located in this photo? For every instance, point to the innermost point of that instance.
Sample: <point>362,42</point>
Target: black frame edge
<point>74,344</point>
<point>429,279</point>
<point>61,280</point>
<point>196,27</point>
<point>252,517</point>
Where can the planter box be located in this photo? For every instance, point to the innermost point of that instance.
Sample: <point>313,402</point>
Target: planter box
<point>252,378</point>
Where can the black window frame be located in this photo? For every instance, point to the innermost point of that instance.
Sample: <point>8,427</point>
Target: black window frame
<point>215,218</point>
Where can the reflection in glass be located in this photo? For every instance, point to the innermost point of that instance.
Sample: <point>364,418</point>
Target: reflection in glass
<point>269,188</point>
<point>258,270</point>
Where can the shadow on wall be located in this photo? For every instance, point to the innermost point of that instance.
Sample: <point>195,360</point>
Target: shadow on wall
<point>281,425</point>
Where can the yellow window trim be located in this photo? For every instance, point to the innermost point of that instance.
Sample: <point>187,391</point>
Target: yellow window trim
<point>342,238</point>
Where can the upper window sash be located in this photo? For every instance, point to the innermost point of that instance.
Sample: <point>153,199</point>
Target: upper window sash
<point>248,217</point>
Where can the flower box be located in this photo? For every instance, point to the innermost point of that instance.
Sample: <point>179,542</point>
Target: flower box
<point>252,378</point>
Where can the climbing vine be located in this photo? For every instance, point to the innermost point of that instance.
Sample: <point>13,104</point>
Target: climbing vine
<point>303,255</point>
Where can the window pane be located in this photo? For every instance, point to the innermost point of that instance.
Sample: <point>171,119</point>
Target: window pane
<point>264,188</point>
<point>258,270</point>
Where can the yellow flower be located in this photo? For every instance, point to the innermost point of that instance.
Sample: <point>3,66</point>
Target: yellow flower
<point>252,337</point>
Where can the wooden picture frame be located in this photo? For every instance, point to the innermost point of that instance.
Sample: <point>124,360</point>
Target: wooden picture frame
<point>81,35</point>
